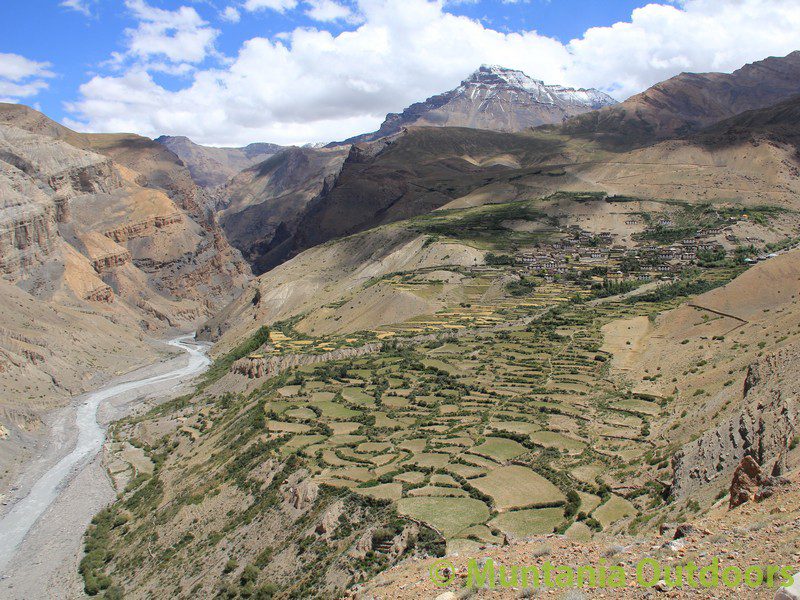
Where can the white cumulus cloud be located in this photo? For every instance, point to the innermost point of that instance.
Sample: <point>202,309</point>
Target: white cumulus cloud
<point>178,36</point>
<point>328,10</point>
<point>279,5</point>
<point>82,6</point>
<point>230,14</point>
<point>22,77</point>
<point>310,84</point>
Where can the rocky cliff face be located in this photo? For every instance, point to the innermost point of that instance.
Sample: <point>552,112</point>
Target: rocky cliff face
<point>27,224</point>
<point>94,255</point>
<point>163,246</point>
<point>38,179</point>
<point>494,98</point>
<point>211,167</point>
<point>764,428</point>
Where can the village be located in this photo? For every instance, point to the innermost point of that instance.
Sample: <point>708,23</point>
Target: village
<point>601,256</point>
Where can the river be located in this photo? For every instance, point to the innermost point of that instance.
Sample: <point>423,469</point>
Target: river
<point>89,435</point>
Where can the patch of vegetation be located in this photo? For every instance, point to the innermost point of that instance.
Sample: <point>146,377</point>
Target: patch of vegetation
<point>692,287</point>
<point>483,225</point>
<point>524,286</point>
<point>223,364</point>
<point>499,259</point>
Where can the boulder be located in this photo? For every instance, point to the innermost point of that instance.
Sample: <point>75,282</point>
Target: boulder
<point>685,530</point>
<point>751,483</point>
<point>330,520</point>
<point>790,593</point>
<point>300,493</point>
<point>770,487</point>
<point>745,482</point>
<point>667,529</point>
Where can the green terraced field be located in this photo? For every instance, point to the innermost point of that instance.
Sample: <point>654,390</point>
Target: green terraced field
<point>449,515</point>
<point>526,523</point>
<point>481,427</point>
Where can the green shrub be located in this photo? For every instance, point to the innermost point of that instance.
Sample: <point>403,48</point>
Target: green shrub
<point>249,575</point>
<point>230,566</point>
<point>573,504</point>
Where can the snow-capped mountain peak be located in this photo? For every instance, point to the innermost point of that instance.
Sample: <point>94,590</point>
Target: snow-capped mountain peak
<point>494,98</point>
<point>493,76</point>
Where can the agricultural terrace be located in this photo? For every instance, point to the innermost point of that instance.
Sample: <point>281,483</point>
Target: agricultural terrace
<point>514,430</point>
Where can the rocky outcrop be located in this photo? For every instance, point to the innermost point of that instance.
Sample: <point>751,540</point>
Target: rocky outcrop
<point>763,429</point>
<point>751,483</point>
<point>330,520</point>
<point>103,293</point>
<point>362,546</point>
<point>142,228</point>
<point>256,366</point>
<point>63,214</point>
<point>745,482</point>
<point>110,261</point>
<point>28,231</point>
<point>99,177</point>
<point>26,242</point>
<point>300,492</point>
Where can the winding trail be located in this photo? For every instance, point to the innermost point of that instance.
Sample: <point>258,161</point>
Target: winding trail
<point>24,516</point>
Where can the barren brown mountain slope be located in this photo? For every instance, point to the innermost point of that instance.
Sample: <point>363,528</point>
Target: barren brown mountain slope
<point>211,272</point>
<point>259,208</point>
<point>138,242</point>
<point>779,122</point>
<point>688,102</point>
<point>211,166</point>
<point>757,170</point>
<point>154,165</point>
<point>723,359</point>
<point>412,174</point>
<point>340,272</point>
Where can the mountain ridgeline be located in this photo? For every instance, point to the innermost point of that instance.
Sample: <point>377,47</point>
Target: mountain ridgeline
<point>502,129</point>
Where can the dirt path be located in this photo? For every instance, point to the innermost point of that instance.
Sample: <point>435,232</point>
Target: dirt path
<point>60,491</point>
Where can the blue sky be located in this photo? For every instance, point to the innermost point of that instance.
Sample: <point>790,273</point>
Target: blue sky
<point>231,72</point>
